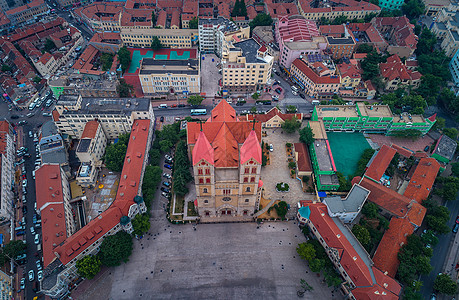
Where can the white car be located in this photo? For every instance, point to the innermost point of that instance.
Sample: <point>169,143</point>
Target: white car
<point>31,275</point>
<point>40,275</point>
<point>24,183</point>
<point>295,93</point>
<point>22,283</point>
<point>36,240</point>
<point>271,148</point>
<point>30,134</point>
<point>32,230</point>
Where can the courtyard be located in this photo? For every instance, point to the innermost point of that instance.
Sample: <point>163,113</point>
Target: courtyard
<point>210,76</point>
<point>215,261</point>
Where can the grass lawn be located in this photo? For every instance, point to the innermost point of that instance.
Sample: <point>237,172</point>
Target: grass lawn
<point>179,203</point>
<point>191,210</point>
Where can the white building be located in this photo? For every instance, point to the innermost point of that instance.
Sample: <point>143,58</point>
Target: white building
<point>347,209</point>
<point>7,159</point>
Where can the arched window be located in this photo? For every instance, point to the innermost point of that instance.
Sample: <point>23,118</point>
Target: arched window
<point>247,189</point>
<point>204,190</point>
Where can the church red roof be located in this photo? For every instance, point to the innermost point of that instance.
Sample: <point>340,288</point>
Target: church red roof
<point>251,148</point>
<point>380,162</point>
<point>202,150</point>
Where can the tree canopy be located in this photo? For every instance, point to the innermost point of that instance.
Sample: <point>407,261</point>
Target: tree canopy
<point>261,20</point>
<point>306,251</point>
<point>195,100</point>
<point>181,171</point>
<point>306,136</point>
<point>124,57</point>
<point>115,153</point>
<point>364,48</point>
<point>141,224</point>
<point>115,249</point>
<point>362,234</point>
<point>107,60</point>
<point>239,9</point>
<point>291,125</point>
<point>194,23</point>
<point>156,43</point>
<point>370,65</point>
<point>445,285</point>
<point>49,45</point>
<point>88,266</point>
<point>413,8</point>
<point>124,89</point>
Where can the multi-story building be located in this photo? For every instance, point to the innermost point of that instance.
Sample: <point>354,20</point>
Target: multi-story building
<point>273,118</point>
<point>90,151</point>
<point>79,84</point>
<point>169,38</point>
<point>115,115</point>
<point>213,33</point>
<point>368,118</point>
<point>444,150</point>
<point>246,67</point>
<point>169,76</point>
<point>101,16</point>
<point>350,75</point>
<point>322,159</point>
<point>316,79</point>
<point>52,147</point>
<point>391,4</point>
<point>226,159</point>
<point>27,13</point>
<point>366,33</point>
<point>340,40</point>
<point>348,208</point>
<point>362,279</point>
<point>454,70</point>
<point>7,159</point>
<point>395,74</point>
<point>399,33</point>
<point>264,36</point>
<point>297,36</point>
<point>6,286</point>
<point>63,248</point>
<point>315,10</point>
<point>433,7</point>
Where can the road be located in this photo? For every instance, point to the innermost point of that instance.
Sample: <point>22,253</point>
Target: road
<point>440,251</point>
<point>33,125</point>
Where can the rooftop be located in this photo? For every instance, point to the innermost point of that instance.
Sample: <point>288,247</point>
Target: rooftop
<point>123,106</point>
<point>179,66</point>
<point>225,25</point>
<point>83,145</point>
<point>445,147</point>
<point>374,110</point>
<point>324,155</point>
<point>90,129</point>
<point>340,41</point>
<point>304,161</point>
<point>422,180</point>
<point>379,163</point>
<point>335,111</point>
<point>67,100</point>
<point>352,203</point>
<point>318,129</point>
<point>250,51</point>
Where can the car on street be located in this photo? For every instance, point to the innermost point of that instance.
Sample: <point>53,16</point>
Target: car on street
<point>32,230</point>
<point>36,239</point>
<point>22,149</point>
<point>45,114</point>
<point>166,183</point>
<point>295,93</point>
<point>168,176</point>
<point>23,122</point>
<point>455,227</point>
<point>30,134</point>
<point>19,233</point>
<point>165,190</point>
<point>271,148</point>
<point>40,275</point>
<point>22,283</point>
<point>161,119</point>
<point>164,194</point>
<point>167,157</point>
<point>303,96</point>
<point>20,162</point>
<point>278,90</point>
<point>24,209</point>
<point>38,264</point>
<point>24,183</point>
<point>31,275</point>
<point>181,105</point>
<point>168,166</point>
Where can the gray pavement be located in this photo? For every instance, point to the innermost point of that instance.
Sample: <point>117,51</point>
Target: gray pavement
<point>210,75</point>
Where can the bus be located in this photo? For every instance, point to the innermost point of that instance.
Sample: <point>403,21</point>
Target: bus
<point>197,112</point>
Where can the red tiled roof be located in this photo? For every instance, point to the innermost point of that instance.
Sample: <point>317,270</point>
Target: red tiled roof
<point>380,163</point>
<point>348,70</point>
<point>402,30</point>
<point>394,68</point>
<point>360,55</point>
<point>303,67</point>
<point>422,180</point>
<point>27,6</point>
<point>296,29</point>
<point>161,19</point>
<point>50,202</point>
<point>45,58</point>
<point>277,10</point>
<point>251,148</point>
<point>90,130</point>
<point>55,115</point>
<point>332,30</point>
<point>202,150</point>
<point>358,271</point>
<point>432,117</point>
<point>402,151</point>
<point>128,188</point>
<point>272,113</point>
<point>223,112</point>
<point>303,162</point>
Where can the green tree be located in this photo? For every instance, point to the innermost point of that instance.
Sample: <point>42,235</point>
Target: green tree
<point>239,9</point>
<point>370,210</point>
<point>364,48</point>
<point>261,20</point>
<point>430,86</point>
<point>151,179</point>
<point>370,65</point>
<point>166,145</point>
<point>116,249</point>
<point>455,169</point>
<point>316,265</point>
<point>413,8</point>
<point>439,124</point>
<point>155,157</point>
<point>14,248</point>
<point>194,23</point>
<point>253,109</point>
<point>291,125</point>
<point>156,43</point>
<point>362,234</point>
<point>37,79</point>
<point>445,285</point>
<point>88,266</point>
<point>124,89</point>
<point>306,135</point>
<point>115,154</point>
<point>153,18</point>
<point>281,209</point>
<point>255,96</point>
<point>6,68</point>
<point>306,251</point>
<point>49,45</point>
<point>426,42</point>
<point>413,133</point>
<point>107,61</point>
<point>344,184</point>
<point>141,224</point>
<point>436,219</point>
<point>291,109</point>
<point>195,100</point>
<point>450,132</point>
<point>124,57</point>
<point>181,172</point>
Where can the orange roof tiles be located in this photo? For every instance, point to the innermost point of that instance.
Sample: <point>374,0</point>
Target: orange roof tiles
<point>251,149</point>
<point>303,162</point>
<point>90,130</point>
<point>422,180</point>
<point>380,163</point>
<point>45,58</point>
<point>401,28</point>
<point>272,113</point>
<point>223,112</point>
<point>161,19</point>
<point>303,67</point>
<point>202,150</point>
<point>402,151</point>
<point>50,202</point>
<point>348,70</point>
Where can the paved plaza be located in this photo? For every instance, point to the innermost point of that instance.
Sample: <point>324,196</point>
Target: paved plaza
<point>210,75</point>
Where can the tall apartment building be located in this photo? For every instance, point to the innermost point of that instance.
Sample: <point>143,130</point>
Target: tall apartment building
<point>213,34</point>
<point>90,151</point>
<point>315,10</point>
<point>62,249</point>
<point>169,76</point>
<point>7,159</point>
<point>169,38</point>
<point>316,79</point>
<point>368,118</point>
<point>297,36</point>
<point>454,70</point>
<point>116,116</point>
<point>246,67</point>
<point>226,158</point>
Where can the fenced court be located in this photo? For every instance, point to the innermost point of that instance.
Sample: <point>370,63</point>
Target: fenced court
<point>347,148</point>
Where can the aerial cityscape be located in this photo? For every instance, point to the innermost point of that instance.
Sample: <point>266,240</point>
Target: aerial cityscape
<point>240,149</point>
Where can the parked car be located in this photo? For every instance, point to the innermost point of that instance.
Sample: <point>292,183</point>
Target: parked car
<point>31,275</point>
<point>38,263</point>
<point>181,105</point>
<point>32,230</point>
<point>165,183</point>
<point>278,90</point>
<point>164,194</point>
<point>22,283</point>
<point>168,176</point>
<point>21,123</point>
<point>456,227</point>
<point>303,96</point>
<point>168,166</point>
<point>14,117</point>
<point>24,210</point>
<point>22,149</point>
<point>30,134</point>
<point>295,93</point>
<point>167,157</point>
<point>271,148</point>
<point>24,183</point>
<point>40,275</point>
<point>168,161</point>
<point>36,239</point>
<point>19,162</point>
<point>19,233</point>
<point>166,190</point>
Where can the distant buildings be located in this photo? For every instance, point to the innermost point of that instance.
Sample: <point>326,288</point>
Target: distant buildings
<point>6,284</point>
<point>226,158</point>
<point>7,169</point>
<point>170,76</point>
<point>332,9</point>
<point>115,115</point>
<point>246,67</point>
<point>52,147</point>
<point>454,70</point>
<point>297,36</point>
<point>391,4</point>
<point>26,14</point>
<point>264,36</point>
<point>399,33</point>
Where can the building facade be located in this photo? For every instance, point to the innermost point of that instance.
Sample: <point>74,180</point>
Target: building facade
<point>336,8</point>
<point>115,115</point>
<point>391,4</point>
<point>79,84</point>
<point>169,38</point>
<point>7,160</point>
<point>264,36</point>
<point>27,13</point>
<point>6,286</point>
<point>340,40</point>
<point>170,76</point>
<point>226,166</point>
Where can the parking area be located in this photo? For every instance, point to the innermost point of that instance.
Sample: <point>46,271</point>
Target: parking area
<point>278,171</point>
<point>210,76</point>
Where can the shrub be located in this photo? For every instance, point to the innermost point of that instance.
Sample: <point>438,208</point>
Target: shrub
<point>282,187</point>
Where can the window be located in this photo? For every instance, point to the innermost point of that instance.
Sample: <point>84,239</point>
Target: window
<point>246,200</point>
<point>200,171</point>
<point>226,192</point>
<point>226,199</point>
<point>246,179</point>
<point>204,190</point>
<point>247,189</point>
<point>207,180</point>
<point>206,201</point>
<point>201,180</point>
<point>207,171</point>
<point>246,171</point>
<point>254,170</point>
<point>252,179</point>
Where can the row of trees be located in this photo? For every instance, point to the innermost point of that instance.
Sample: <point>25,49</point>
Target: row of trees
<point>181,172</point>
<point>116,152</point>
